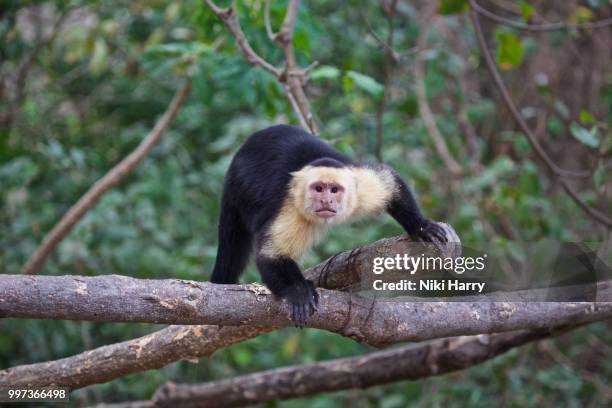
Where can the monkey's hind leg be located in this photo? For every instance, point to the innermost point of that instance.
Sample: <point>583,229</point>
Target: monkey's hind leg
<point>235,244</point>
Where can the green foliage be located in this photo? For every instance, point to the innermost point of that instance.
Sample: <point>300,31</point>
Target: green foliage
<point>585,136</point>
<point>527,10</point>
<point>325,72</point>
<point>509,49</point>
<point>453,6</point>
<point>354,79</point>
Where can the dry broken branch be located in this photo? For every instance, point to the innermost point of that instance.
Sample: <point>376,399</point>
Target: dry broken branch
<point>110,179</point>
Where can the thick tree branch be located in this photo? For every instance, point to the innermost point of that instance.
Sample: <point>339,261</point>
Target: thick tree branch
<point>560,173</point>
<point>291,77</point>
<point>405,363</point>
<point>114,298</point>
<point>110,179</point>
<point>174,343</point>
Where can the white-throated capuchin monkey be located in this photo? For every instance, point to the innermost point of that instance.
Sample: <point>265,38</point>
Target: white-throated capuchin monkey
<point>283,190</point>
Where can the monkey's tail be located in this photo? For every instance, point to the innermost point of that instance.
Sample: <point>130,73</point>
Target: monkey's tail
<point>235,243</point>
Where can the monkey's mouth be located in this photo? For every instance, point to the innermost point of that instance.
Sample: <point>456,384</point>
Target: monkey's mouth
<point>325,212</point>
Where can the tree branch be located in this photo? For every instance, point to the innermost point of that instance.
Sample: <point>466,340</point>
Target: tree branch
<point>110,179</point>
<point>510,104</point>
<point>405,363</point>
<point>291,77</point>
<point>560,173</point>
<point>174,343</point>
<point>539,27</point>
<point>269,31</point>
<point>428,117</point>
<point>114,298</point>
<point>149,352</point>
<point>230,19</point>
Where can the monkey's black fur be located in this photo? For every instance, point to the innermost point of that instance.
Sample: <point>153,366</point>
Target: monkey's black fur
<point>255,188</point>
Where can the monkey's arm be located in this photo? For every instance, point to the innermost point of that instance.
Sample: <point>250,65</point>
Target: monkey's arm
<point>403,208</point>
<point>283,277</point>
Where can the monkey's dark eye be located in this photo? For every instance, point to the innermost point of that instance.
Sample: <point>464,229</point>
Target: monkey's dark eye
<point>318,189</point>
<point>334,190</point>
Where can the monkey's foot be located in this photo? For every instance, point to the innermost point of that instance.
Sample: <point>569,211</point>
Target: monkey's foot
<point>304,301</point>
<point>430,231</point>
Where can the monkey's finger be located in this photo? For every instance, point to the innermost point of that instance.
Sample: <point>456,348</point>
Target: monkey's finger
<point>302,315</point>
<point>295,316</point>
<point>424,237</point>
<point>315,299</point>
<point>312,305</point>
<point>441,234</point>
<point>314,294</point>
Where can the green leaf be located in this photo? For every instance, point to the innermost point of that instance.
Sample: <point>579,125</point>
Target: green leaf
<point>585,136</point>
<point>510,50</point>
<point>453,6</point>
<point>301,42</point>
<point>176,49</point>
<point>555,126</point>
<point>325,72</point>
<point>99,59</point>
<point>586,118</point>
<point>527,10</point>
<point>366,83</point>
<point>562,108</point>
<point>600,177</point>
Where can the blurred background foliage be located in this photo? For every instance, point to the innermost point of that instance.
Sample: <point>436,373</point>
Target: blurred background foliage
<point>81,83</point>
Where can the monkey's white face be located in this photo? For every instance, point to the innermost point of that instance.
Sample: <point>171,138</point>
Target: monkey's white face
<point>323,194</point>
<point>325,199</point>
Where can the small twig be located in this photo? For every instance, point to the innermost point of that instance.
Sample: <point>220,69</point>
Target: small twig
<point>539,27</point>
<point>110,179</point>
<point>271,34</point>
<point>296,107</point>
<point>291,77</point>
<point>396,56</point>
<point>426,114</point>
<point>308,70</point>
<point>390,57</point>
<point>24,68</point>
<point>560,173</point>
<point>230,19</point>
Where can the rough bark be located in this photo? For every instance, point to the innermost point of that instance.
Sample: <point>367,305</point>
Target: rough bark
<point>178,342</point>
<point>149,352</point>
<point>115,298</point>
<point>405,363</point>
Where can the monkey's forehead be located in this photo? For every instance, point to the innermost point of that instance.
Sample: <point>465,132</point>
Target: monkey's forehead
<point>311,174</point>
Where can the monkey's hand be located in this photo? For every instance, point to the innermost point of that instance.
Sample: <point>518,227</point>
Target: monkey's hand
<point>304,300</point>
<point>429,231</point>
